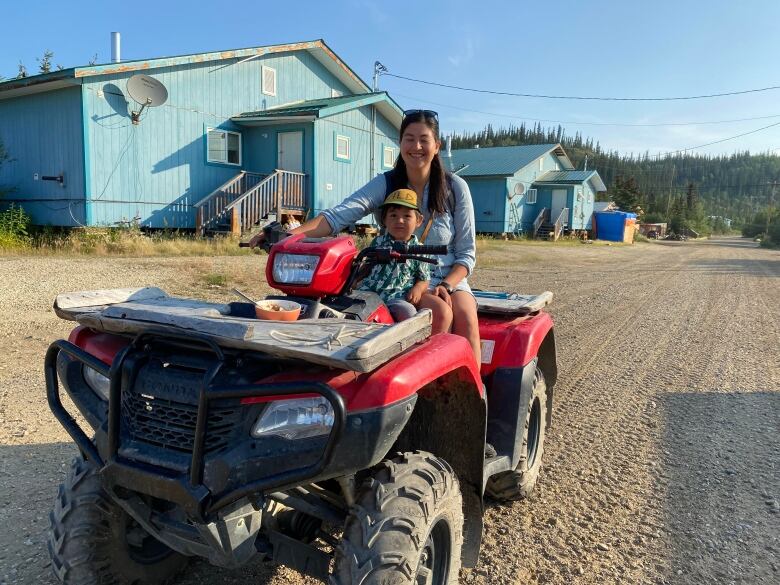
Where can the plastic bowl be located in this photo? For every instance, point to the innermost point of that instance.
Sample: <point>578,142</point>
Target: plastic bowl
<point>277,310</point>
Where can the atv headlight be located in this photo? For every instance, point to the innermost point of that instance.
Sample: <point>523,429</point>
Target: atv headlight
<point>97,381</point>
<point>298,418</point>
<point>294,268</point>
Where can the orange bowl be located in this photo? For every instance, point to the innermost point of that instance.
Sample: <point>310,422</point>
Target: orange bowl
<point>277,310</point>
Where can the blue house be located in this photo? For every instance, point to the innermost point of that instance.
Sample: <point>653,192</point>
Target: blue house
<point>531,189</point>
<point>282,128</point>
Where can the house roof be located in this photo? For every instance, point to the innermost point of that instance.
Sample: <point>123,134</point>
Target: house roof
<point>564,177</point>
<point>74,75</point>
<point>322,108</point>
<point>501,160</point>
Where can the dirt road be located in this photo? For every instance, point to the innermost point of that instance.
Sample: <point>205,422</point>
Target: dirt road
<point>663,465</point>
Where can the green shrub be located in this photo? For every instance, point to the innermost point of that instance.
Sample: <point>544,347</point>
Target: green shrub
<point>14,228</point>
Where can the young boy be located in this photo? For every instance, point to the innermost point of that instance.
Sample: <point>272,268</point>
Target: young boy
<point>400,285</point>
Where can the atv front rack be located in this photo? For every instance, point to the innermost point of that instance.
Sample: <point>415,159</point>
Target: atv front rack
<point>187,490</point>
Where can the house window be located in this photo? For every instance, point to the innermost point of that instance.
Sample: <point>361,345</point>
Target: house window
<point>388,157</point>
<point>342,147</point>
<point>223,147</point>
<point>334,93</point>
<point>530,198</point>
<point>269,80</point>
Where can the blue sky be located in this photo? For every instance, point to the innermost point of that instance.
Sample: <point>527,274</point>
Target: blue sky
<point>588,48</point>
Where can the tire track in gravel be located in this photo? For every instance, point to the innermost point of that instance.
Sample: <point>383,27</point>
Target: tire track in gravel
<point>630,408</point>
<point>716,481</point>
<point>597,505</point>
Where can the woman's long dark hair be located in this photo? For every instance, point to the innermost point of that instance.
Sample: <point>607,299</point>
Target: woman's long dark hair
<point>438,189</point>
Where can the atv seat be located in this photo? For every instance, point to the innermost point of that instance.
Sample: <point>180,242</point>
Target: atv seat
<point>339,343</point>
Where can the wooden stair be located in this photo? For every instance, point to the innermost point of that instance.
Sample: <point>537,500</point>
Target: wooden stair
<point>248,198</point>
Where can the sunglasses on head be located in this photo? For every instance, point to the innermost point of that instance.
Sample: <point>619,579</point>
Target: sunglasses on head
<point>426,113</point>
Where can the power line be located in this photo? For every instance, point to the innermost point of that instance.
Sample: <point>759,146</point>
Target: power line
<point>588,98</point>
<point>664,154</point>
<point>620,124</point>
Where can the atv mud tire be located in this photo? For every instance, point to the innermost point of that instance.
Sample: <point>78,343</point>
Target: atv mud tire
<point>520,482</point>
<point>406,527</point>
<point>92,540</point>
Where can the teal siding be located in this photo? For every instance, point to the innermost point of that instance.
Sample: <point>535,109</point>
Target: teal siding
<point>157,170</point>
<point>43,134</point>
<point>336,179</point>
<point>489,195</point>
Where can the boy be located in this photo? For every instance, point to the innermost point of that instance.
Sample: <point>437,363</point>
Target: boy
<point>400,285</point>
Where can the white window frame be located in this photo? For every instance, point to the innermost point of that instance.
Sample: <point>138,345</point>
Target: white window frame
<point>225,161</point>
<point>393,155</point>
<point>264,89</point>
<point>348,142</point>
<point>530,197</point>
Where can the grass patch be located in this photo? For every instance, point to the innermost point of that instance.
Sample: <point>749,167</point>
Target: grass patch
<point>118,242</point>
<point>215,279</point>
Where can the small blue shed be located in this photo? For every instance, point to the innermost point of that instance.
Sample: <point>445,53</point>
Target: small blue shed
<point>281,128</point>
<point>526,189</point>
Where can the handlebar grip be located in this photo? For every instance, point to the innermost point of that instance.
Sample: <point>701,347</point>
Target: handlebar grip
<point>435,250</point>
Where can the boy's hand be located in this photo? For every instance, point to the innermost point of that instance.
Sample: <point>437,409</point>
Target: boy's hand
<point>417,291</point>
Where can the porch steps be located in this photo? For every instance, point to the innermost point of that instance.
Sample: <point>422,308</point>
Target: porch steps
<point>249,199</point>
<point>546,231</point>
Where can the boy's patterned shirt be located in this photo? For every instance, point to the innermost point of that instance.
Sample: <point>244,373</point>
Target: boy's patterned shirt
<point>394,280</point>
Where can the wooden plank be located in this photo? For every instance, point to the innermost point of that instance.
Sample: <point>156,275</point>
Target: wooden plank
<point>520,305</point>
<point>94,298</point>
<point>395,334</point>
<point>340,343</point>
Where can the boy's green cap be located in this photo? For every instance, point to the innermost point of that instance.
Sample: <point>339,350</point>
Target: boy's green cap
<point>402,197</point>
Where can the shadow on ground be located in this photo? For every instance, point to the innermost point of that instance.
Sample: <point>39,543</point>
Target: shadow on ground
<point>722,475</point>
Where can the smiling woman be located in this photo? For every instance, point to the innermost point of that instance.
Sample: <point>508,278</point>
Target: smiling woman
<point>448,219</point>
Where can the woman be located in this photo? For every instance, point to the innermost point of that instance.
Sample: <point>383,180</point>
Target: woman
<point>448,218</point>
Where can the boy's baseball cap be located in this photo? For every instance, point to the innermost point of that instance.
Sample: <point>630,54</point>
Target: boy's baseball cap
<point>402,197</point>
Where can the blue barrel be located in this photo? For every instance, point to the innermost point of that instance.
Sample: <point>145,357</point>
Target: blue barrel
<point>611,225</point>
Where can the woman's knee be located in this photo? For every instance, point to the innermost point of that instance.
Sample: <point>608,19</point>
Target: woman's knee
<point>442,313</point>
<point>464,310</point>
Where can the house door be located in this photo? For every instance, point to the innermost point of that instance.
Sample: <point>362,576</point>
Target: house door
<point>558,203</point>
<point>290,151</point>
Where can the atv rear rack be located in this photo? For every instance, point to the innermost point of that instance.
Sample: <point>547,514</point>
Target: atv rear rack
<point>186,490</point>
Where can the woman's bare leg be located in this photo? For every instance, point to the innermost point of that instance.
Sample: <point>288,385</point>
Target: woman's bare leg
<point>442,314</point>
<point>464,321</point>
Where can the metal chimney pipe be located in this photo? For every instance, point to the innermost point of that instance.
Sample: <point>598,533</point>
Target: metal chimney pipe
<point>449,146</point>
<point>116,41</point>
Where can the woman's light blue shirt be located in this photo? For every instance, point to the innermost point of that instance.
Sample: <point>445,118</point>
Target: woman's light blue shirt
<point>455,229</point>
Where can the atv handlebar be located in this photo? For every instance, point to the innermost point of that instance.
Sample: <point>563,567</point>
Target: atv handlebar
<point>435,250</point>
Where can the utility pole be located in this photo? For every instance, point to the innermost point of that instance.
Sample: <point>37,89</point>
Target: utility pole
<point>769,207</point>
<point>669,200</point>
<point>586,163</point>
<point>378,70</point>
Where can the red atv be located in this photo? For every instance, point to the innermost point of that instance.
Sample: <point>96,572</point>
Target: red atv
<point>358,470</point>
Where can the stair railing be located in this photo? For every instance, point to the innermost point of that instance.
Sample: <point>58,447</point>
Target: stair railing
<point>540,219</point>
<point>281,190</point>
<point>560,222</point>
<point>213,208</point>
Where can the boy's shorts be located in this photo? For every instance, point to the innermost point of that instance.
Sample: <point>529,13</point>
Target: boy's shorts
<point>401,309</point>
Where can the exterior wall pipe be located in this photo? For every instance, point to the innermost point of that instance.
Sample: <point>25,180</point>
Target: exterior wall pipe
<point>116,41</point>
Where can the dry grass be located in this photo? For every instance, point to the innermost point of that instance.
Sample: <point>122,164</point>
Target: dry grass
<point>122,242</point>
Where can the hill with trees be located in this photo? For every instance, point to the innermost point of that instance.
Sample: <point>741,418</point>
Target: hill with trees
<point>684,189</point>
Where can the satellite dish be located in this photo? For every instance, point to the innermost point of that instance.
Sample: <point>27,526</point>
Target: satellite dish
<point>147,91</point>
<point>519,189</point>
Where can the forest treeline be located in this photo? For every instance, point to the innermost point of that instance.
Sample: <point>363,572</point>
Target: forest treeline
<point>736,186</point>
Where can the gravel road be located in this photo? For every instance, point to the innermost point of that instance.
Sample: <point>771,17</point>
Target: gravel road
<point>663,465</point>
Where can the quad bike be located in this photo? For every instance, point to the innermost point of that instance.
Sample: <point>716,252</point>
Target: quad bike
<point>199,449</point>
